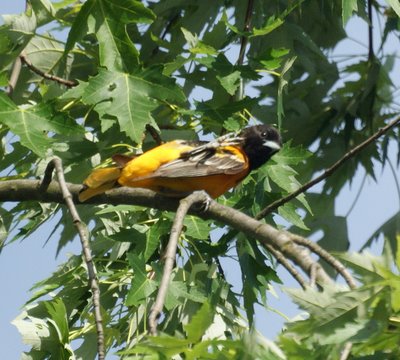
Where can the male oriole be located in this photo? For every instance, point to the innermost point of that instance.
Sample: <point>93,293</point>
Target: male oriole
<point>180,167</point>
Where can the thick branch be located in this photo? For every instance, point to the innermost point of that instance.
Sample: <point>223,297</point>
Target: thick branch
<point>24,190</point>
<point>329,171</point>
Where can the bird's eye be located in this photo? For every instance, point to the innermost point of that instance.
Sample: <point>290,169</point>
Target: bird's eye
<point>264,134</point>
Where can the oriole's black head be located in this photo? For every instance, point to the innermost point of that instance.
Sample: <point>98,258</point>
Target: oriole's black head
<point>260,143</point>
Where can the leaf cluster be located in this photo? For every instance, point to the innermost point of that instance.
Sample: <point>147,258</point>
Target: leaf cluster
<point>175,65</point>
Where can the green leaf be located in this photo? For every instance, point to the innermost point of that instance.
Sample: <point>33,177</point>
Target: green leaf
<point>142,286</point>
<point>46,54</point>
<point>271,24</point>
<point>44,11</point>
<point>397,253</point>
<point>230,82</point>
<point>154,235</point>
<point>230,26</point>
<point>197,228</point>
<point>166,345</point>
<point>218,36</point>
<point>41,331</point>
<point>80,28</point>
<point>108,20</point>
<point>15,34</point>
<point>364,264</point>
<point>390,229</point>
<point>199,323</point>
<point>332,308</point>
<point>130,98</point>
<point>34,124</point>
<point>232,125</point>
<point>88,349</point>
<point>283,176</point>
<point>179,292</point>
<point>283,82</point>
<point>289,155</point>
<point>394,4</point>
<point>196,46</point>
<point>288,212</point>
<point>256,275</point>
<point>348,6</point>
<point>58,314</point>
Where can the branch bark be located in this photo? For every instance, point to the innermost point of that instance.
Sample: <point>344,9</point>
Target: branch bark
<point>247,25</point>
<point>170,254</point>
<point>283,241</point>
<point>28,63</point>
<point>16,71</point>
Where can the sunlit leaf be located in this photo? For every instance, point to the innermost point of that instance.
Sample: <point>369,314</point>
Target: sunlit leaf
<point>34,124</point>
<point>130,98</point>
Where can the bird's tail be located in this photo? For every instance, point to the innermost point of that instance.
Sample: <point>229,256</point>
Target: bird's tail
<point>99,181</point>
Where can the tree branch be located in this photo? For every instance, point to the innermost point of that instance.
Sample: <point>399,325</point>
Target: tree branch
<point>371,54</point>
<point>28,63</point>
<point>288,266</point>
<point>323,254</point>
<point>328,172</point>
<point>346,352</point>
<point>16,71</point>
<point>83,235</point>
<point>247,24</point>
<point>154,134</point>
<point>183,208</point>
<point>24,190</point>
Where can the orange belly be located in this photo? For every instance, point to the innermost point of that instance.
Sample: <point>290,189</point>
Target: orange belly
<point>214,185</point>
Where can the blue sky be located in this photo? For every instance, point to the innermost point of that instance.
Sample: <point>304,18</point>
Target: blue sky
<point>24,263</point>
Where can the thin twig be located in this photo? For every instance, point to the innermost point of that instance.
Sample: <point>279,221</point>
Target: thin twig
<point>323,254</point>
<point>371,54</point>
<point>16,71</point>
<point>328,172</point>
<point>28,63</point>
<point>243,45</point>
<point>165,31</point>
<point>346,351</point>
<point>287,265</point>
<point>83,235</point>
<point>170,254</point>
<point>247,24</point>
<point>154,134</point>
<point>313,275</point>
<point>358,195</point>
<point>220,268</point>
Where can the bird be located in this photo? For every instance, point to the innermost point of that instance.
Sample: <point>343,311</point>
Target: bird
<point>179,167</point>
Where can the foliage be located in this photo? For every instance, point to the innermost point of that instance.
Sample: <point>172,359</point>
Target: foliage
<point>368,316</point>
<point>173,64</point>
